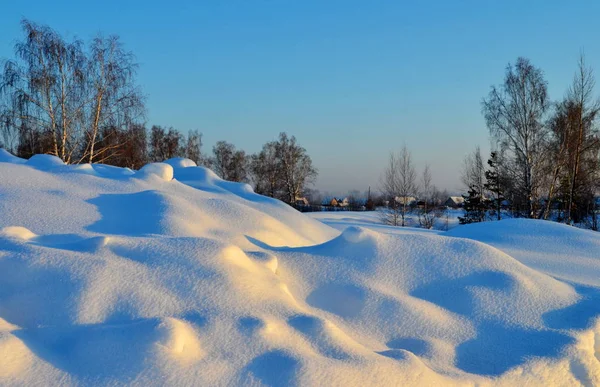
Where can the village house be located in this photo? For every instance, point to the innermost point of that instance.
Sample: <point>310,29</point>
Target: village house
<point>410,200</point>
<point>302,202</point>
<point>455,202</point>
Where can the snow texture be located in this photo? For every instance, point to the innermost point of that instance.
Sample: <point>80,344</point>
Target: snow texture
<point>173,276</point>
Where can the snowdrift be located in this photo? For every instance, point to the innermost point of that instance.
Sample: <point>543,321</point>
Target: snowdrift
<point>170,275</point>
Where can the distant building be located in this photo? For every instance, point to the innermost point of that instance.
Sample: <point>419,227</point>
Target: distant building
<point>455,201</point>
<point>410,200</point>
<point>302,202</point>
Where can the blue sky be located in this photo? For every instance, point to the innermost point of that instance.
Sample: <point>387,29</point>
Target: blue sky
<point>352,80</point>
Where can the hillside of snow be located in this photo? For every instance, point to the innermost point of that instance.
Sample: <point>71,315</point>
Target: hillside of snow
<point>172,276</point>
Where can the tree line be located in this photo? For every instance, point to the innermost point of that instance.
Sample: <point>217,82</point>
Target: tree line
<point>80,102</point>
<point>545,162</point>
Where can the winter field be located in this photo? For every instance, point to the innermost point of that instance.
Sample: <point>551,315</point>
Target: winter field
<point>171,276</point>
<point>374,220</point>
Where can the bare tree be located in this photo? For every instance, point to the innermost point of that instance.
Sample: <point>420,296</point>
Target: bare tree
<point>586,140</point>
<point>561,127</point>
<point>473,172</point>
<point>428,211</point>
<point>407,183</point>
<point>295,166</point>
<point>390,186</point>
<point>229,163</point>
<point>41,86</point>
<point>165,144</point>
<point>193,148</point>
<point>56,97</point>
<point>514,114</point>
<point>124,148</point>
<point>264,168</point>
<point>398,184</point>
<point>355,200</point>
<point>115,99</point>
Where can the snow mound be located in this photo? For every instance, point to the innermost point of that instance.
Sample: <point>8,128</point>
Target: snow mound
<point>453,302</point>
<point>561,251</point>
<point>161,170</point>
<point>45,162</point>
<point>6,157</point>
<point>173,276</point>
<point>180,162</point>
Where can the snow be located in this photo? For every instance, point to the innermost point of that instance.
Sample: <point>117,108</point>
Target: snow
<point>173,276</point>
<point>163,171</point>
<point>374,220</point>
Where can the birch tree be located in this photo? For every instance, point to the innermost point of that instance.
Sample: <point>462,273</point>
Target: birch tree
<point>56,96</point>
<point>514,114</point>
<point>114,98</point>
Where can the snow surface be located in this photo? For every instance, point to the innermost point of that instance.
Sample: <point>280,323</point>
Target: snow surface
<point>172,276</point>
<point>374,220</point>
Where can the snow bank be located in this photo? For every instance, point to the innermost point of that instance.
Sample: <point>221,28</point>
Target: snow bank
<point>170,275</point>
<point>161,170</point>
<point>561,251</point>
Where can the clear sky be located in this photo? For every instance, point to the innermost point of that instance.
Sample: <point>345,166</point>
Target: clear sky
<point>352,80</point>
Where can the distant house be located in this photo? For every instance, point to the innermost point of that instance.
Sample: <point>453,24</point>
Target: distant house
<point>455,201</point>
<point>343,202</point>
<point>409,200</point>
<point>302,202</point>
<point>333,202</point>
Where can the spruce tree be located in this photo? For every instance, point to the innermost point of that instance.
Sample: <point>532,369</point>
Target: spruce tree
<point>474,207</point>
<point>494,184</point>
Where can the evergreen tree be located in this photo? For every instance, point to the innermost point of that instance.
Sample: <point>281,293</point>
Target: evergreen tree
<point>494,184</point>
<point>474,207</point>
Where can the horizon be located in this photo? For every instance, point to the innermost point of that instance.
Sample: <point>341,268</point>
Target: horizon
<point>351,82</point>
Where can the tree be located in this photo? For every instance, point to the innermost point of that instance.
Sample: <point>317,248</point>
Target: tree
<point>193,148</point>
<point>115,99</point>
<point>572,166</point>
<point>514,114</point>
<point>473,173</point>
<point>494,183</point>
<point>41,87</point>
<point>264,168</point>
<point>355,201</point>
<point>398,184</point>
<point>56,97</point>
<point>428,211</point>
<point>134,150</point>
<point>165,145</point>
<point>229,163</point>
<point>407,183</point>
<point>474,207</point>
<point>314,197</point>
<point>295,167</point>
<point>585,139</point>
<point>390,186</point>
<point>370,203</point>
<point>561,128</point>
<point>123,148</point>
